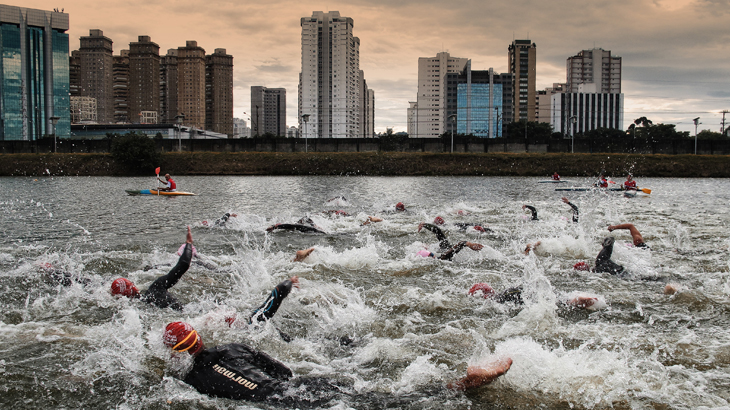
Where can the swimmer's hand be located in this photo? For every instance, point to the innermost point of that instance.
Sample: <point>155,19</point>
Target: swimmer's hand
<point>478,376</point>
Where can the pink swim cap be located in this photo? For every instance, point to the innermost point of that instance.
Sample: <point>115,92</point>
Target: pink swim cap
<point>487,290</point>
<point>425,253</point>
<point>438,220</point>
<point>181,249</point>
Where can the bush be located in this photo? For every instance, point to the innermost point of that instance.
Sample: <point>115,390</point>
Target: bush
<point>137,153</point>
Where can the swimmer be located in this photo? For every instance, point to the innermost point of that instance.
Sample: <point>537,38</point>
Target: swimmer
<point>443,242</point>
<point>672,288</point>
<point>533,210</point>
<point>61,277</point>
<point>302,254</point>
<point>237,371</point>
<point>531,247</point>
<point>604,264</point>
<point>513,294</point>
<point>635,234</point>
<point>451,252</point>
<point>222,220</point>
<point>575,209</point>
<point>463,226</point>
<point>399,207</point>
<point>371,219</point>
<point>336,212</point>
<point>157,294</point>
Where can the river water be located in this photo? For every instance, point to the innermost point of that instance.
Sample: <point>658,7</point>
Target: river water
<point>413,326</point>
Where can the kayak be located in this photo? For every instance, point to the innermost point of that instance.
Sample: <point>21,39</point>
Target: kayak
<point>626,193</point>
<point>158,193</point>
<point>552,181</point>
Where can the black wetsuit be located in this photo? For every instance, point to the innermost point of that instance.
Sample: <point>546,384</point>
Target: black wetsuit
<point>510,295</point>
<point>236,371</point>
<point>222,220</point>
<point>268,309</point>
<point>295,227</point>
<point>465,225</point>
<point>157,293</point>
<point>443,242</point>
<point>603,260</point>
<point>575,211</point>
<point>533,210</point>
<point>63,278</point>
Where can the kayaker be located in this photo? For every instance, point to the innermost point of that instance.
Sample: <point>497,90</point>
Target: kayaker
<point>635,234</point>
<point>575,209</point>
<point>236,371</point>
<point>629,184</point>
<point>169,184</point>
<point>602,182</point>
<point>556,177</point>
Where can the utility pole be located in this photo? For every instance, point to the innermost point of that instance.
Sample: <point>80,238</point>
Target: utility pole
<point>722,128</point>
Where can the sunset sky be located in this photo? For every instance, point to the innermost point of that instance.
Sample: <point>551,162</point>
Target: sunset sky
<point>676,53</point>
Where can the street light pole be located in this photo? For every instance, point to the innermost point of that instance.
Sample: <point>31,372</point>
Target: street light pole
<point>697,122</point>
<point>452,117</point>
<point>305,118</point>
<point>573,120</point>
<point>54,121</point>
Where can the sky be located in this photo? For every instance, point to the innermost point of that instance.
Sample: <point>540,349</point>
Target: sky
<point>676,53</point>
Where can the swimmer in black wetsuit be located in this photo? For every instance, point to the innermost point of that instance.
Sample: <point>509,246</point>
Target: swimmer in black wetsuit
<point>513,294</point>
<point>603,260</point>
<point>635,234</point>
<point>271,305</point>
<point>443,242</point>
<point>157,294</point>
<point>451,252</point>
<point>222,220</point>
<point>575,209</point>
<point>61,277</point>
<point>294,227</point>
<point>236,371</point>
<point>533,210</point>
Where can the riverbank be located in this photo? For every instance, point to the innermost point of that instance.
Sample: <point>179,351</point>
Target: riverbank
<point>376,164</point>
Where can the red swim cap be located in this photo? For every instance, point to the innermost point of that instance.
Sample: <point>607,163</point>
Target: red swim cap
<point>124,287</point>
<point>400,207</point>
<point>479,228</point>
<point>438,220</point>
<point>181,337</point>
<point>230,320</point>
<point>581,266</point>
<point>487,290</point>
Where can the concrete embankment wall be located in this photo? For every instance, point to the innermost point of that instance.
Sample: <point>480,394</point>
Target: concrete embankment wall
<point>374,163</point>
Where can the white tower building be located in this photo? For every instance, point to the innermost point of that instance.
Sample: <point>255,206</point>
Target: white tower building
<point>330,83</point>
<point>429,112</point>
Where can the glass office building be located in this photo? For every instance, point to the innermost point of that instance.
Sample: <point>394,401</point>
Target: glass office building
<point>473,113</point>
<point>34,74</point>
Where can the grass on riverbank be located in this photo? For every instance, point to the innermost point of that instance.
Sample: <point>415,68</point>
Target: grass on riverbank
<point>377,164</point>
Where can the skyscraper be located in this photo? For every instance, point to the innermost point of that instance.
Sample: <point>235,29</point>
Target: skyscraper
<point>96,77</point>
<point>268,111</point>
<point>121,87</point>
<point>219,92</point>
<point>430,110</point>
<point>483,102</point>
<point>191,84</point>
<point>367,109</point>
<point>34,80</point>
<point>168,87</point>
<point>330,80</point>
<point>144,77</point>
<point>594,71</point>
<point>522,56</point>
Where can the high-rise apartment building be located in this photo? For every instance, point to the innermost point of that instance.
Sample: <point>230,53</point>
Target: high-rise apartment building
<point>594,71</point>
<point>574,113</point>
<point>330,80</point>
<point>121,87</point>
<point>34,79</point>
<point>96,78</point>
<point>522,57</point>
<point>479,102</point>
<point>144,78</point>
<point>268,111</point>
<point>74,71</point>
<point>168,87</point>
<point>429,113</point>
<point>219,92</point>
<point>191,84</point>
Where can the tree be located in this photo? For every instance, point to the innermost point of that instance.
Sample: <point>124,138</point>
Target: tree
<point>135,152</point>
<point>529,129</point>
<point>709,135</point>
<point>643,121</point>
<point>605,133</point>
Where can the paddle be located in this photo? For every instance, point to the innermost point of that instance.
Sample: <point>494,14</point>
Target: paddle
<point>157,171</point>
<point>644,190</point>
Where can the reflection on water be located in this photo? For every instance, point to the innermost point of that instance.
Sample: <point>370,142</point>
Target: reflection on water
<point>412,324</point>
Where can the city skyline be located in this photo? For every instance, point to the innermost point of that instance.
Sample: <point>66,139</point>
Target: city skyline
<point>674,54</point>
